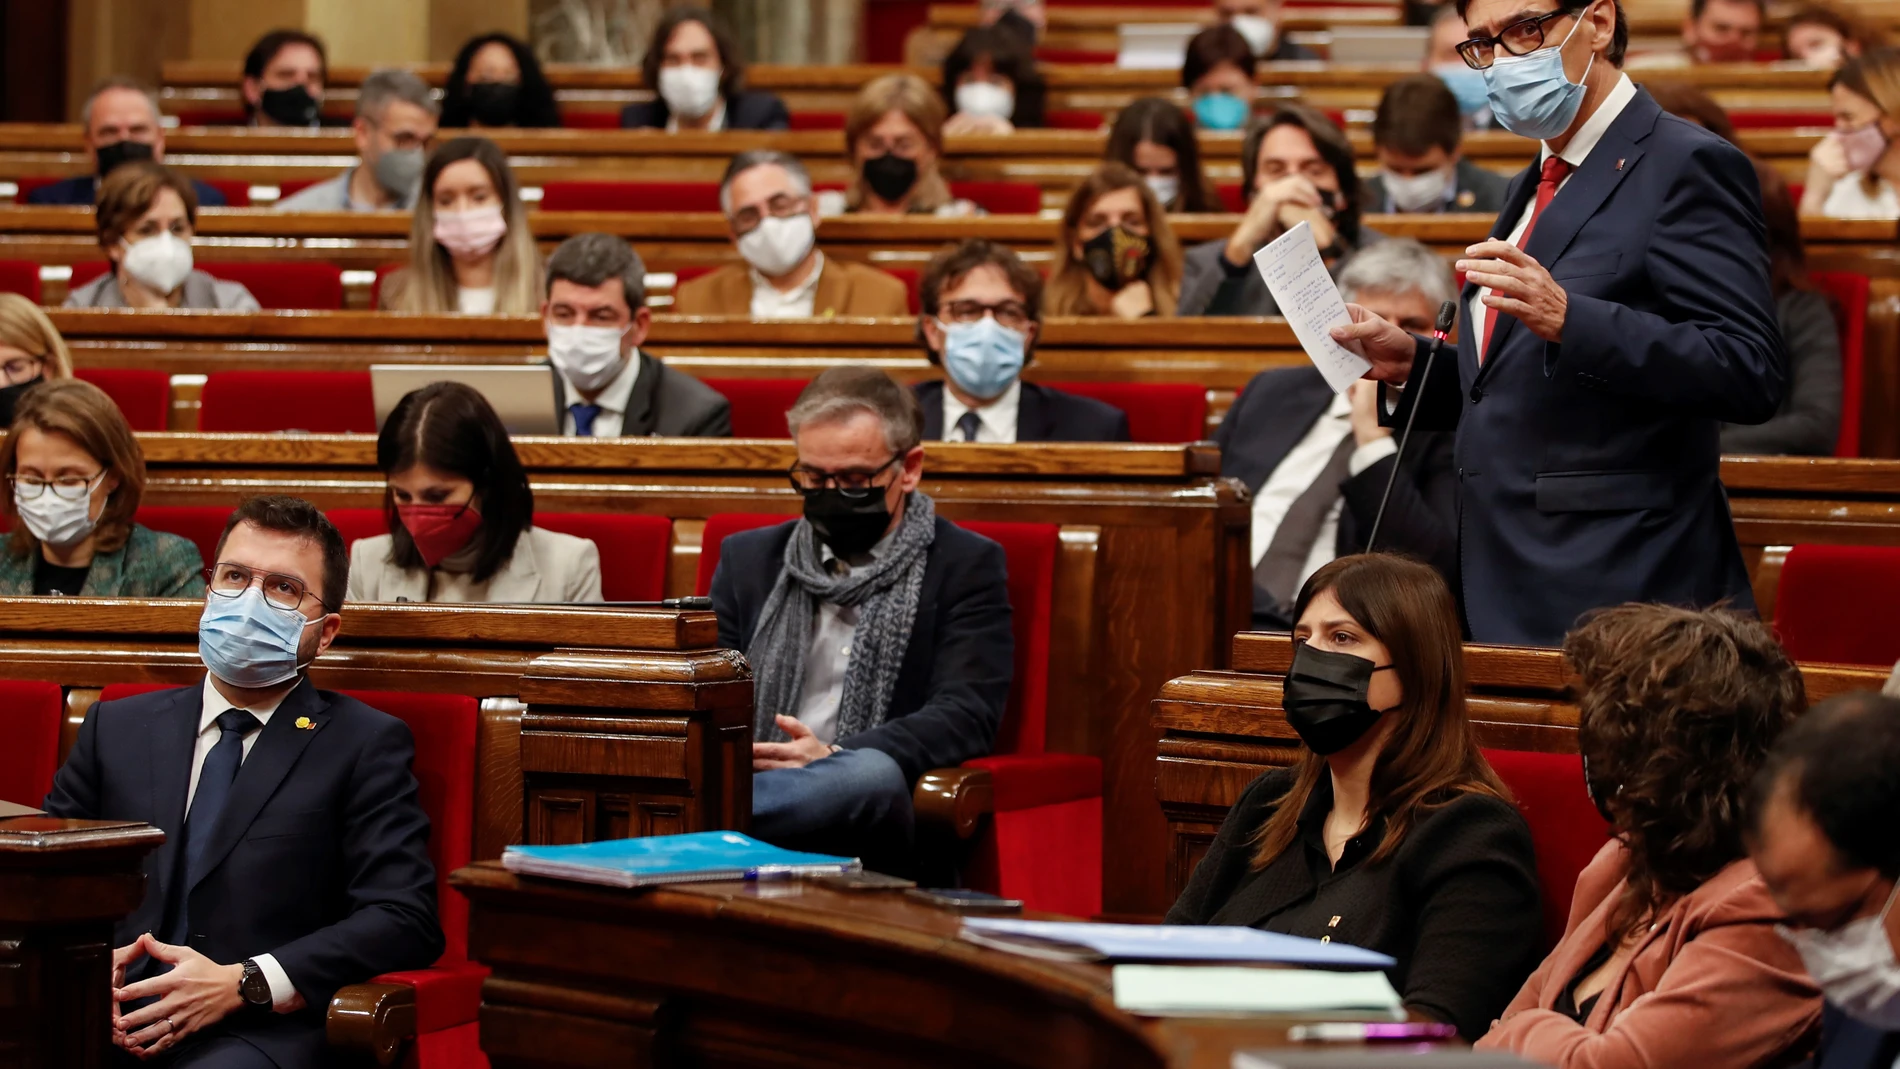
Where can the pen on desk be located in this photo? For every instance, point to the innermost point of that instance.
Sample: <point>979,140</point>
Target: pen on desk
<point>1394,1032</point>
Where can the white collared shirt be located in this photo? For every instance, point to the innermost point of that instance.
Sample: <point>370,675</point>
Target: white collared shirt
<point>211,706</point>
<point>1574,154</point>
<point>1297,470</point>
<point>717,124</point>
<point>995,422</point>
<point>613,400</point>
<point>831,636</point>
<point>475,301</point>
<point>769,303</point>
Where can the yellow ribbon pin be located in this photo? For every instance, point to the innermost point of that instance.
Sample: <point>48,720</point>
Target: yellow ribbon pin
<point>304,723</point>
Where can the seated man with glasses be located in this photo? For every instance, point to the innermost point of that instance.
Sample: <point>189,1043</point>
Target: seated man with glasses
<point>296,853</point>
<point>766,196</point>
<point>878,632</point>
<point>982,312</point>
<point>395,120</point>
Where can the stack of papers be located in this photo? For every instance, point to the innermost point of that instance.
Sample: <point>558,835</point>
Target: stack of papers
<point>1207,990</point>
<point>1059,941</point>
<point>1380,1057</point>
<point>661,859</point>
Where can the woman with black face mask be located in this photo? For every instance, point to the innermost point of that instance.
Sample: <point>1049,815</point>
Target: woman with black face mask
<point>497,82</point>
<point>1116,255</point>
<point>1390,831</point>
<point>894,137</point>
<point>31,351</point>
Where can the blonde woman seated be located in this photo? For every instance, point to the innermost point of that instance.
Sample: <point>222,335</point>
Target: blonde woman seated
<point>461,514</point>
<point>470,247</point>
<point>1116,255</point>
<point>74,478</point>
<point>145,218</point>
<point>31,352</point>
<point>894,139</point>
<point>1854,171</point>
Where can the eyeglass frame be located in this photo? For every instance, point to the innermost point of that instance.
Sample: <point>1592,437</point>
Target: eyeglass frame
<point>37,362</point>
<point>1497,42</point>
<point>851,493</point>
<point>741,224</point>
<point>988,310</point>
<point>92,483</point>
<point>294,610</point>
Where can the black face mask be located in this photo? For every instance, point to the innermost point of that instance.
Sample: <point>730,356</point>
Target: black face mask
<point>493,103</point>
<point>849,526</point>
<point>1325,698</point>
<point>1600,794</point>
<point>890,177</point>
<point>292,107</point>
<point>1116,256</point>
<point>110,156</point>
<point>10,398</point>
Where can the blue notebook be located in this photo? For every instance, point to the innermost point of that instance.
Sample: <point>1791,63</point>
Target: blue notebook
<point>661,859</point>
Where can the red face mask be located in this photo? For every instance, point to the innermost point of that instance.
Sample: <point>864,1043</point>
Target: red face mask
<point>440,531</point>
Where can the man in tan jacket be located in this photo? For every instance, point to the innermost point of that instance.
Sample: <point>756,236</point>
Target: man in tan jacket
<point>767,199</point>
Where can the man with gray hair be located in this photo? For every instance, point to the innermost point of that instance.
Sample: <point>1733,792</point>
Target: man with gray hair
<point>766,197</point>
<point>122,123</point>
<point>595,313</point>
<point>1317,462</point>
<point>395,121</point>
<point>878,632</point>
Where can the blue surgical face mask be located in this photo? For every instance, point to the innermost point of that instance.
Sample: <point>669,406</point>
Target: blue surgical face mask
<point>248,642</point>
<point>1220,111</point>
<point>983,357</point>
<point>1530,94</point>
<point>1466,85</point>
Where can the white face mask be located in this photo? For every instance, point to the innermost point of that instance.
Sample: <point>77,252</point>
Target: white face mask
<point>689,92</point>
<point>1165,187</point>
<point>588,356</point>
<point>53,519</point>
<point>777,245</point>
<point>1854,966</point>
<point>987,99</point>
<point>160,262</point>
<point>1258,30</point>
<point>1422,192</point>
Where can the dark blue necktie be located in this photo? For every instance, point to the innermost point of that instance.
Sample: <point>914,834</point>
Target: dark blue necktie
<point>584,416</point>
<point>966,426</point>
<point>214,786</point>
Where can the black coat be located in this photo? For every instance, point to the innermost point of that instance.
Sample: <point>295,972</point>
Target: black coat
<point>955,680</point>
<point>1477,189</point>
<point>1850,1044</point>
<point>1043,414</point>
<point>751,109</point>
<point>83,191</point>
<point>667,403</point>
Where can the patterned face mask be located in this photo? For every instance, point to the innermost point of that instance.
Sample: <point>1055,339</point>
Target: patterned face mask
<point>1116,257</point>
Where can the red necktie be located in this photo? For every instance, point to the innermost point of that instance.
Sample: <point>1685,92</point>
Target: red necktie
<point>1553,175</point>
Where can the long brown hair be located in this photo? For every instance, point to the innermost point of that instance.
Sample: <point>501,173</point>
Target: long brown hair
<point>430,284</point>
<point>1431,757</point>
<point>923,106</point>
<point>80,411</point>
<point>1068,291</point>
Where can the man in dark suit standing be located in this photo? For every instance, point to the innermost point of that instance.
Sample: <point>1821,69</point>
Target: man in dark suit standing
<point>878,632</point>
<point>296,851</point>
<point>982,311</point>
<point>1619,313</point>
<point>1317,463</point>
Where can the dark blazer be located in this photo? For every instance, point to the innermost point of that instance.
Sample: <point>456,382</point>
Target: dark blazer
<point>151,564</point>
<point>1456,903</point>
<point>751,109</point>
<point>1210,286</point>
<point>83,191</point>
<point>320,858</point>
<point>667,404</point>
<point>1475,189</point>
<point>1588,470</point>
<point>1850,1044</point>
<point>957,669</point>
<point>1809,419</point>
<point>1043,414</point>
<point>1278,408</point>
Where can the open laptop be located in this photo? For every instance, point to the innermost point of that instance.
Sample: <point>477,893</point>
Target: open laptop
<point>1379,45</point>
<point>522,395</point>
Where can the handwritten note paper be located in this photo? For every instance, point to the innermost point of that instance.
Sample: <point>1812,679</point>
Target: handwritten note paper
<point>1309,300</point>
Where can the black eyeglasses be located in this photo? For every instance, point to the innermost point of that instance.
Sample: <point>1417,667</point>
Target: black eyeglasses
<point>853,484</point>
<point>1518,39</point>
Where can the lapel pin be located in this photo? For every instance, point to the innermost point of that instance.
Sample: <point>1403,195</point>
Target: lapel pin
<point>304,724</point>
<point>1619,163</point>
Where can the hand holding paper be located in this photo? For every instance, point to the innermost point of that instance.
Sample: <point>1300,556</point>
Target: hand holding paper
<point>1388,348</point>
<point>1297,277</point>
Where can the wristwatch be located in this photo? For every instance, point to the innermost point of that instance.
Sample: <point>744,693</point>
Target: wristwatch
<point>254,988</point>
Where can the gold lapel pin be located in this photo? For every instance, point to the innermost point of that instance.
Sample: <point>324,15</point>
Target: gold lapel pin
<point>304,724</point>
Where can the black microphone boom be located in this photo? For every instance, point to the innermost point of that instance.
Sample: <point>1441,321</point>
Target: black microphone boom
<point>1447,315</point>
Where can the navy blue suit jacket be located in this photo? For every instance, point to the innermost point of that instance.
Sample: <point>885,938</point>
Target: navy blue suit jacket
<point>1850,1044</point>
<point>958,665</point>
<point>83,191</point>
<point>1589,470</point>
<point>749,109</point>
<point>1043,414</point>
<point>319,859</point>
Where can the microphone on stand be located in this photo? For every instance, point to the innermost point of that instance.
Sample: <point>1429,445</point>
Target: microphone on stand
<point>1447,315</point>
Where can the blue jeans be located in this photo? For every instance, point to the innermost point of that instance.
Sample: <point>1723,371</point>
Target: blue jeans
<point>855,803</point>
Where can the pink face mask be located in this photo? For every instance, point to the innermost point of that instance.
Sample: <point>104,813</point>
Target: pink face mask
<point>475,232</point>
<point>1863,145</point>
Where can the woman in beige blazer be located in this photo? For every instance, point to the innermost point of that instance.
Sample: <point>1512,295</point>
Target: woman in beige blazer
<point>461,514</point>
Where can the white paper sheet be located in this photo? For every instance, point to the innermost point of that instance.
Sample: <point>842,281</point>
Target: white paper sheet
<point>1182,990</point>
<point>1304,290</point>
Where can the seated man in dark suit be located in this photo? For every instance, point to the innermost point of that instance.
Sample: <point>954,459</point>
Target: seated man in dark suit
<point>121,123</point>
<point>698,76</point>
<point>1317,462</point>
<point>296,853</point>
<point>595,312</point>
<point>878,632</point>
<point>1827,806</point>
<point>982,310</point>
<point>1416,133</point>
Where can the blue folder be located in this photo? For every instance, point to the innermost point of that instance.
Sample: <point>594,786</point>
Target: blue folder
<point>661,859</point>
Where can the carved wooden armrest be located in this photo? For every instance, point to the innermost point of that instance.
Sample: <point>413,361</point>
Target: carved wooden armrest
<point>953,801</point>
<point>374,1022</point>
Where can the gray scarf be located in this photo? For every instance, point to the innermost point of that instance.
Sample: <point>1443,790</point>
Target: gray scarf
<point>885,594</point>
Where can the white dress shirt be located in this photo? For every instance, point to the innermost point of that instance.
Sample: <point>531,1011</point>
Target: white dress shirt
<point>995,422</point>
<point>831,636</point>
<point>717,124</point>
<point>613,399</point>
<point>211,705</point>
<point>475,302</point>
<point>768,302</point>
<point>1849,200</point>
<point>1574,154</point>
<point>1303,464</point>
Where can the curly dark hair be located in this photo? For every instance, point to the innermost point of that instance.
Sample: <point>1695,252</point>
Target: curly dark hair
<point>1677,711</point>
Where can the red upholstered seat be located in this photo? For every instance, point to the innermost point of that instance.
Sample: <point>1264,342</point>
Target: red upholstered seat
<point>1566,829</point>
<point>144,396</point>
<point>1157,411</point>
<point>1074,120</point>
<point>818,120</point>
<point>759,405</point>
<point>1230,196</point>
<point>213,117</point>
<point>590,120</point>
<point>86,272</point>
<point>260,402</point>
<point>30,716</point>
<point>630,197</point>
<point>633,549</point>
<point>1827,604</point>
<point>290,187</point>
<point>355,524</point>
<point>237,192</point>
<point>719,527</point>
<point>1849,292</point>
<point>202,525</point>
<point>1745,119</point>
<point>911,277</point>
<point>21,277</point>
<point>286,285</point>
<point>1089,57</point>
<point>1001,198</point>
